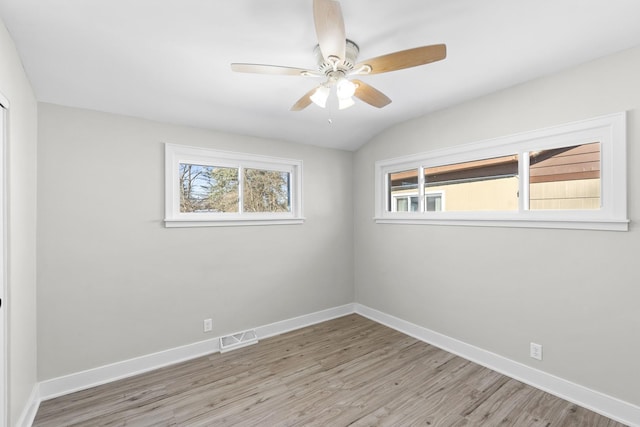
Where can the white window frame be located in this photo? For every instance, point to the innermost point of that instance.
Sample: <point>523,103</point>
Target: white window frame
<point>407,196</point>
<point>609,130</point>
<point>440,193</point>
<point>176,154</point>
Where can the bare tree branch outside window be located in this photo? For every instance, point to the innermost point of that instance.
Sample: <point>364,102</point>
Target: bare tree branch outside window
<point>266,191</point>
<point>208,188</point>
<point>215,189</point>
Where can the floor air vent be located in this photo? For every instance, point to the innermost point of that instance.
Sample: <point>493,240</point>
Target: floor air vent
<point>241,339</point>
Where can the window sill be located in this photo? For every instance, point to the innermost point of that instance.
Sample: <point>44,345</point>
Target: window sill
<point>187,223</point>
<point>572,224</point>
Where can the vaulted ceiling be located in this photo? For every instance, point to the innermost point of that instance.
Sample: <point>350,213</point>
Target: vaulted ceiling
<point>169,60</point>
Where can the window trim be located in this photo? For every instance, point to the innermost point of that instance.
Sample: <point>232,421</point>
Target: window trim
<point>176,154</point>
<point>609,130</point>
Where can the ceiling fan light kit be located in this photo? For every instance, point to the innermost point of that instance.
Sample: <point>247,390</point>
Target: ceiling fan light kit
<point>345,103</point>
<point>336,60</point>
<point>320,96</point>
<point>345,88</point>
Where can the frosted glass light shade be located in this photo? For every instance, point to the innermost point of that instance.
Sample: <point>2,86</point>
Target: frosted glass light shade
<point>320,96</point>
<point>345,89</point>
<point>345,103</point>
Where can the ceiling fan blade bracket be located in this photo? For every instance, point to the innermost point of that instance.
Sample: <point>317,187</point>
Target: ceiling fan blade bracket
<point>362,70</point>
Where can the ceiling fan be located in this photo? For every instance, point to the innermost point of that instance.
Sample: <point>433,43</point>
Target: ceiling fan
<point>336,57</point>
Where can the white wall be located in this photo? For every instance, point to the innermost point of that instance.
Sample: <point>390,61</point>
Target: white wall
<point>21,281</point>
<point>575,292</point>
<point>114,283</point>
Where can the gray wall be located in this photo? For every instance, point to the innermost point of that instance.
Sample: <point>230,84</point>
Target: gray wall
<point>575,292</point>
<point>21,227</point>
<point>114,283</point>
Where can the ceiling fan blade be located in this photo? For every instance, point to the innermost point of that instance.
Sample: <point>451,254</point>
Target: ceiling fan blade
<point>273,69</point>
<point>402,59</point>
<point>304,102</point>
<point>370,95</point>
<point>327,15</point>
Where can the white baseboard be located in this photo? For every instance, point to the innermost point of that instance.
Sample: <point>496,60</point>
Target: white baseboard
<point>127,368</point>
<point>104,374</point>
<point>608,406</point>
<point>30,409</point>
<point>288,325</point>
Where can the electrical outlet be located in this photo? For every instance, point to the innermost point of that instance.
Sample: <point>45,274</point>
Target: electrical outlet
<point>535,351</point>
<point>208,325</point>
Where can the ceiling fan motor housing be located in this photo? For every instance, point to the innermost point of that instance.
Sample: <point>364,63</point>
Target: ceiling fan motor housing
<point>327,67</point>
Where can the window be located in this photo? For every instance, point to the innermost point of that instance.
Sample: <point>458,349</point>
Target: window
<point>479,185</point>
<point>434,201</point>
<point>569,176</point>
<point>404,191</point>
<point>565,178</point>
<point>405,203</point>
<point>404,195</point>
<point>210,188</point>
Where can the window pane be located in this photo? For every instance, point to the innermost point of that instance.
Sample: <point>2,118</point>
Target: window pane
<point>403,185</point>
<point>208,188</point>
<point>414,204</point>
<point>406,204</point>
<point>401,204</point>
<point>565,178</point>
<point>266,191</point>
<point>479,185</point>
<point>434,202</point>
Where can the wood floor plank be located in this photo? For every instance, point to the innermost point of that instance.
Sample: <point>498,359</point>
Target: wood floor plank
<point>347,371</point>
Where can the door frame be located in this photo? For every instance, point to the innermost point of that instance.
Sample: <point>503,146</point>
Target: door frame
<point>4,136</point>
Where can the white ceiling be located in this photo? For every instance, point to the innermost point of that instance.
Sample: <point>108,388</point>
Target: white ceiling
<point>168,60</point>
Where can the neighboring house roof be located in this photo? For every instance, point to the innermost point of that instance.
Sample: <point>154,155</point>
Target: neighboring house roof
<point>561,164</point>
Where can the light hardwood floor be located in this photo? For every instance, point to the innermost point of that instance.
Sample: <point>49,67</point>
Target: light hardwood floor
<point>345,372</point>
